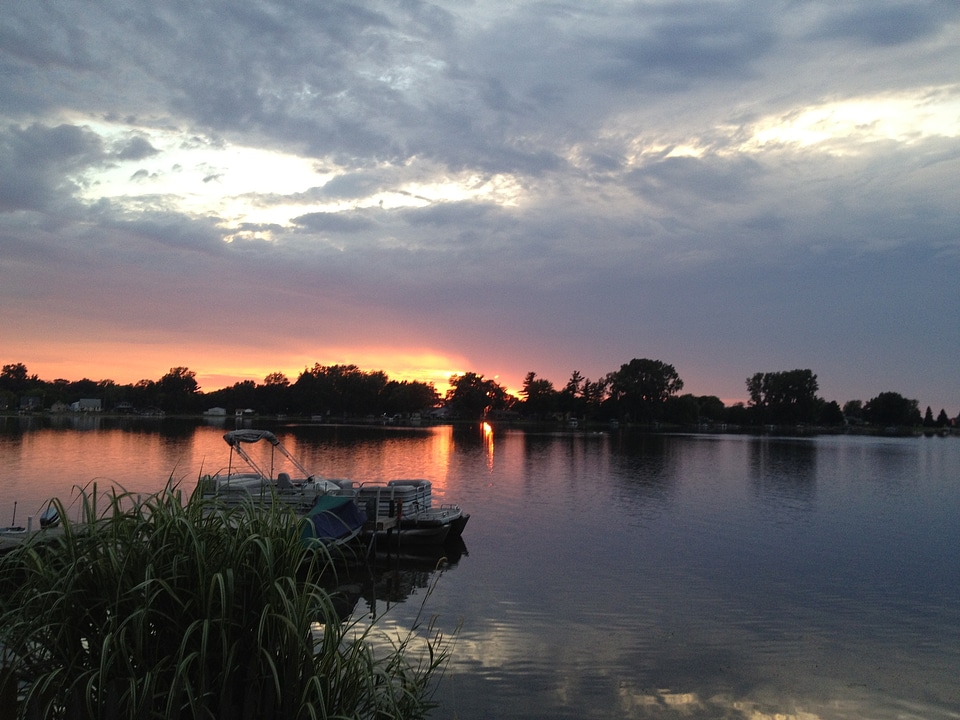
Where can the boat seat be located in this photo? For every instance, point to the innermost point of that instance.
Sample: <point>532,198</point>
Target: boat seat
<point>283,481</point>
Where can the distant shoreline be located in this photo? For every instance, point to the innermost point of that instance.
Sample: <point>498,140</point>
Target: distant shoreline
<point>581,428</point>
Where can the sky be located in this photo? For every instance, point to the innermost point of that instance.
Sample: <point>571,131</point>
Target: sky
<point>427,188</point>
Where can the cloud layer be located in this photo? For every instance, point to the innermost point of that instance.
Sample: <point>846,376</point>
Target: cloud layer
<point>498,187</point>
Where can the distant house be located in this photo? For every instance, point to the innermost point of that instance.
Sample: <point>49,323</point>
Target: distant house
<point>59,407</point>
<point>30,403</point>
<point>216,412</point>
<point>87,405</point>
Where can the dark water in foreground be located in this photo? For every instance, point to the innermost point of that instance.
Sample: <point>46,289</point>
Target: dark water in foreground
<point>626,576</point>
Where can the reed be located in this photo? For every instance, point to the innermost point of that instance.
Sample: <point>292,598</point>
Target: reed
<point>167,609</point>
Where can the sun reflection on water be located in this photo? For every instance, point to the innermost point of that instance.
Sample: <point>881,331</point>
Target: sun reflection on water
<point>486,430</point>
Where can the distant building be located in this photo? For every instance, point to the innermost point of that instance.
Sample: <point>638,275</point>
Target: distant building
<point>216,412</point>
<point>30,403</point>
<point>59,407</point>
<point>87,405</point>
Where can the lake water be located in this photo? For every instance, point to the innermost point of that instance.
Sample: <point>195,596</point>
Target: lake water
<point>627,575</point>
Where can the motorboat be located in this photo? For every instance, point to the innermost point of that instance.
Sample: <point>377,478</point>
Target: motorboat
<point>332,514</point>
<point>410,502</point>
<point>400,511</point>
<point>50,518</point>
<point>253,481</point>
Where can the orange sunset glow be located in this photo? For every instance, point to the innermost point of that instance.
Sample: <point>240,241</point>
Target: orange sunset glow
<point>127,364</point>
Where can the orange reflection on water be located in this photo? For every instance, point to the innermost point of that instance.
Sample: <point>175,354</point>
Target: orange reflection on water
<point>486,429</point>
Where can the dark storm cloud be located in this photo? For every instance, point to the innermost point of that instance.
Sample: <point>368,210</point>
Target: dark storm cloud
<point>170,230</point>
<point>714,179</point>
<point>352,185</point>
<point>36,161</point>
<point>46,37</point>
<point>338,222</point>
<point>691,43</point>
<point>136,148</point>
<point>458,214</point>
<point>889,23</point>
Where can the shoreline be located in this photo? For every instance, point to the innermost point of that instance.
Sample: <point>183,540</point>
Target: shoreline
<point>564,426</point>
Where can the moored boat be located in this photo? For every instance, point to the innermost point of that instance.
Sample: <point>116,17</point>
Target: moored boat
<point>333,517</point>
<point>253,481</point>
<point>410,502</point>
<point>397,511</point>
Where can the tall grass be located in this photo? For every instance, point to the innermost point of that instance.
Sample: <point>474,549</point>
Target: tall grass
<point>165,609</point>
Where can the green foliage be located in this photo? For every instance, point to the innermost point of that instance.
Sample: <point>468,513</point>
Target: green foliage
<point>168,610</point>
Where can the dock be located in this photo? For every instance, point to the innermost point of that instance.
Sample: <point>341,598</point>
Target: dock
<point>11,538</point>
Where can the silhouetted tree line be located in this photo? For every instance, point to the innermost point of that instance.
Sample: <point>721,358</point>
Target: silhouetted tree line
<point>641,391</point>
<point>648,391</point>
<point>335,391</point>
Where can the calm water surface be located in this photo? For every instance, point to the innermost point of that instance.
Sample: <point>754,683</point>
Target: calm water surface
<point>629,576</point>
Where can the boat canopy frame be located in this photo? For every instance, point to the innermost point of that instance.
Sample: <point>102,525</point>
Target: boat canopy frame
<point>236,440</point>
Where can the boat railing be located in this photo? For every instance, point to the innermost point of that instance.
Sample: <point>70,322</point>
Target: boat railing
<point>414,496</point>
<point>379,499</point>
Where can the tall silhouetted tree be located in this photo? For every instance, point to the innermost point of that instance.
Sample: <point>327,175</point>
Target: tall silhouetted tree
<point>892,409</point>
<point>408,397</point>
<point>178,390</point>
<point>641,387</point>
<point>572,399</point>
<point>594,395</point>
<point>784,398</point>
<point>339,390</point>
<point>471,396</point>
<point>853,411</point>
<point>830,414</point>
<point>539,397</point>
<point>274,395</point>
<point>14,378</point>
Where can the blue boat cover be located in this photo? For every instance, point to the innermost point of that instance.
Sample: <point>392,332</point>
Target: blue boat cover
<point>331,518</point>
